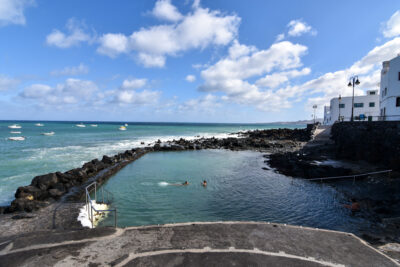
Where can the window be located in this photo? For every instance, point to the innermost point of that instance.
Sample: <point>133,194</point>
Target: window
<point>371,104</point>
<point>397,101</point>
<point>399,76</point>
<point>385,91</point>
<point>372,92</point>
<point>358,105</point>
<point>341,105</point>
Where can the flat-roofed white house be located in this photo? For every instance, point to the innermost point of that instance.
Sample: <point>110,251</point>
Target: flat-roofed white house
<point>390,89</point>
<point>366,107</point>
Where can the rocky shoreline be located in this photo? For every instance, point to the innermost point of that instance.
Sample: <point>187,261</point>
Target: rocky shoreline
<point>69,186</point>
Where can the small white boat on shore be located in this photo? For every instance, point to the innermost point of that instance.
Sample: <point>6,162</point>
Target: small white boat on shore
<point>122,128</point>
<point>15,126</point>
<point>39,124</point>
<point>81,125</point>
<point>15,132</point>
<point>16,138</point>
<point>93,125</point>
<point>48,134</point>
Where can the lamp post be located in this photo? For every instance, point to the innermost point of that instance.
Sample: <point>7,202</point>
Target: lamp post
<point>314,107</point>
<point>353,81</point>
<point>340,99</point>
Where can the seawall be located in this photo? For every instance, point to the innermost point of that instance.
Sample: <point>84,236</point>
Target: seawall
<point>375,142</point>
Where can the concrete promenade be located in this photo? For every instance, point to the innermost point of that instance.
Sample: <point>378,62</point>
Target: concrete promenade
<point>191,244</point>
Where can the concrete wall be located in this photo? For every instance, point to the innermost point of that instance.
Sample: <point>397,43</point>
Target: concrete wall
<point>390,89</point>
<point>375,142</point>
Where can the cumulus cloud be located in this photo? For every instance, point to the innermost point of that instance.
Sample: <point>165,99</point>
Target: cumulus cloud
<point>190,78</point>
<point>71,71</point>
<point>133,83</point>
<point>392,27</point>
<point>299,27</point>
<point>75,36</point>
<point>144,97</point>
<point>72,91</point>
<point>163,9</point>
<point>232,75</point>
<point>207,103</point>
<point>198,29</point>
<point>12,11</point>
<point>7,83</point>
<point>275,79</point>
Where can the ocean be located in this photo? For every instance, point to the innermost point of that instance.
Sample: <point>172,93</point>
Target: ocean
<point>71,146</point>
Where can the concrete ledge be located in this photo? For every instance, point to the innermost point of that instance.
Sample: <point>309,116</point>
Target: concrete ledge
<point>193,244</point>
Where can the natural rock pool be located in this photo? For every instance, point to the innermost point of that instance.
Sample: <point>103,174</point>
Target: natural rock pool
<point>238,189</point>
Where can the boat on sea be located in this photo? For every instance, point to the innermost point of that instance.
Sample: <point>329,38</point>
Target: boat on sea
<point>122,128</point>
<point>81,125</point>
<point>126,125</point>
<point>15,126</point>
<point>93,125</point>
<point>16,138</point>
<point>48,134</point>
<point>39,124</point>
<point>15,132</point>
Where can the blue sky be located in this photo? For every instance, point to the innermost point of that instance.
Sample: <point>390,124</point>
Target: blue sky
<point>188,61</point>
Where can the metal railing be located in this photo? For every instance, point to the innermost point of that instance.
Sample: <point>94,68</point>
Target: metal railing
<point>354,176</point>
<point>89,203</point>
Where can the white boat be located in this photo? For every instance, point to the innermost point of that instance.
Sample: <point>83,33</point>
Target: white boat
<point>126,124</point>
<point>93,125</point>
<point>49,133</point>
<point>15,132</point>
<point>122,128</point>
<point>14,126</point>
<point>16,138</point>
<point>81,125</point>
<point>39,124</point>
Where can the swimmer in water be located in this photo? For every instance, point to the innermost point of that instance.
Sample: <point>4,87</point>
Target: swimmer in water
<point>354,206</point>
<point>185,183</point>
<point>204,183</point>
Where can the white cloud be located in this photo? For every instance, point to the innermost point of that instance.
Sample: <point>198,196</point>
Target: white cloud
<point>196,30</point>
<point>71,71</point>
<point>207,103</point>
<point>392,26</point>
<point>163,9</point>
<point>280,37</point>
<point>72,91</point>
<point>7,83</point>
<point>278,78</point>
<point>190,78</point>
<point>12,11</point>
<point>299,27</point>
<point>75,36</point>
<point>231,75</point>
<point>113,44</point>
<point>133,84</point>
<point>144,97</point>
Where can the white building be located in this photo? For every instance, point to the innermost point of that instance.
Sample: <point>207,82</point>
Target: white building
<point>390,89</point>
<point>366,107</point>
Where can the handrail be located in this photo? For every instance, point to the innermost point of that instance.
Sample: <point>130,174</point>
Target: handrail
<point>89,204</point>
<point>348,176</point>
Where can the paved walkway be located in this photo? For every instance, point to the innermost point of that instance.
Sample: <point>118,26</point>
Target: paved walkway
<point>191,244</point>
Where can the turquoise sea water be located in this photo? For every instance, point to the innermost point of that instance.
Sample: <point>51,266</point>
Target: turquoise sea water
<point>71,146</point>
<point>238,190</point>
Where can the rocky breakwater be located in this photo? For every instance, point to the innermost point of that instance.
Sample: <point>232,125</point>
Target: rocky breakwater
<point>375,142</point>
<point>51,187</point>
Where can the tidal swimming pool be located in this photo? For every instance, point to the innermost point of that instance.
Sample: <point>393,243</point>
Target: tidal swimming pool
<point>238,190</point>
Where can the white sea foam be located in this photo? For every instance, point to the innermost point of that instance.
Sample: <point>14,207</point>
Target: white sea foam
<point>83,216</point>
<point>163,183</point>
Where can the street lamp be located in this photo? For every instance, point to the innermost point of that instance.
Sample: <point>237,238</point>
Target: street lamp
<point>353,82</point>
<point>340,99</point>
<point>314,107</point>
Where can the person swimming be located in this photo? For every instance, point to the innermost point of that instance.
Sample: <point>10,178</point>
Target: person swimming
<point>182,184</point>
<point>354,206</point>
<point>204,183</point>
